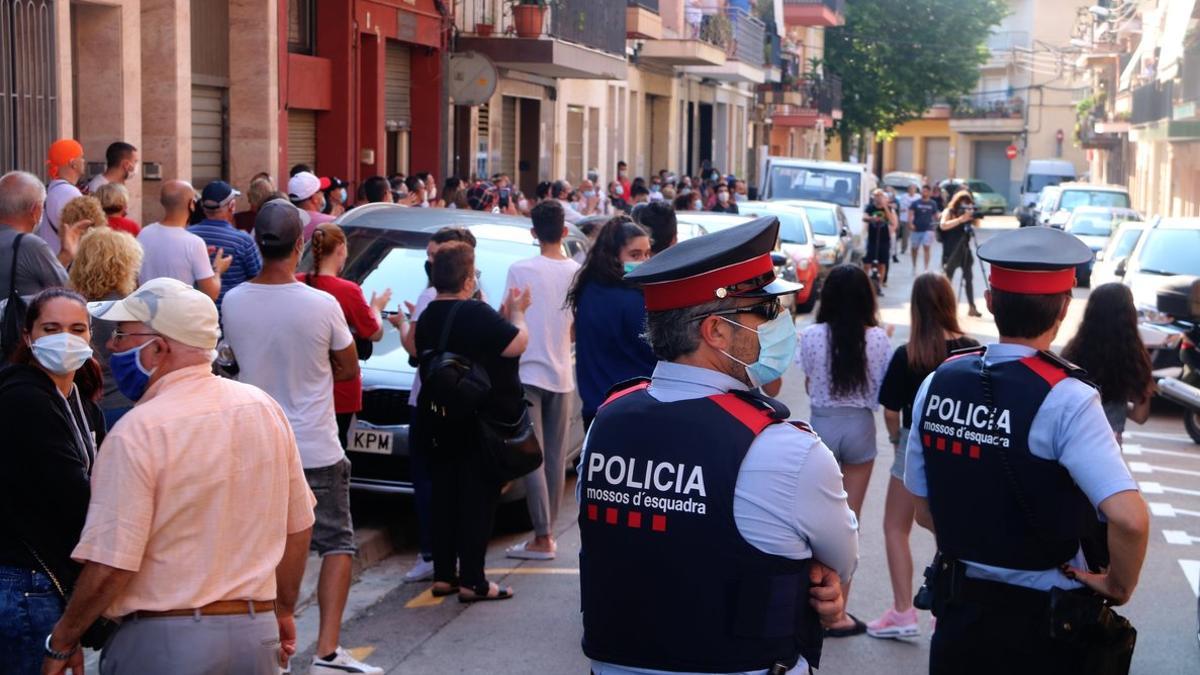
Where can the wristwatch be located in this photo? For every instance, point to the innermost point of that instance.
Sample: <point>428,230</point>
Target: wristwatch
<point>59,656</point>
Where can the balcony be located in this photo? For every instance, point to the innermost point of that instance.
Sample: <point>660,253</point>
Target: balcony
<point>642,21</point>
<point>1152,103</point>
<point>804,103</point>
<point>988,114</point>
<point>744,38</point>
<point>805,13</point>
<point>1094,133</point>
<point>579,39</point>
<point>687,40</point>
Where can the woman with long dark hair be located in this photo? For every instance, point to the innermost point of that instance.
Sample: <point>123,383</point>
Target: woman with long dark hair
<point>935,333</point>
<point>844,356</point>
<point>1108,347</point>
<point>610,315</point>
<point>52,427</point>
<point>956,228</point>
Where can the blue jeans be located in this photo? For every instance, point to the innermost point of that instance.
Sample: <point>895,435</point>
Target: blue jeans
<point>418,466</point>
<point>29,608</point>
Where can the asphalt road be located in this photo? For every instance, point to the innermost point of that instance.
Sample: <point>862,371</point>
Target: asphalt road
<point>403,629</point>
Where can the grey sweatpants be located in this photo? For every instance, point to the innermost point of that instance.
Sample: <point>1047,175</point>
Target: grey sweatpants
<point>544,486</point>
<point>185,645</point>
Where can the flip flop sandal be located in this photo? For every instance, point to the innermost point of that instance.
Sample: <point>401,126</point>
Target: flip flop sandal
<point>857,629</point>
<point>501,594</point>
<point>441,593</point>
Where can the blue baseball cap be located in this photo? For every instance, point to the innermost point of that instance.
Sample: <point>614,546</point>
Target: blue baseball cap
<point>218,194</point>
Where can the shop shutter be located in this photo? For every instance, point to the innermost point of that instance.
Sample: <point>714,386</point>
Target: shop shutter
<point>208,135</point>
<point>28,95</point>
<point>937,159</point>
<point>397,83</point>
<point>508,137</point>
<point>904,154</point>
<point>574,144</point>
<point>302,138</point>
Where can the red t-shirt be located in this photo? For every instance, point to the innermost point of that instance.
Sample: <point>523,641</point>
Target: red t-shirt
<point>347,394</point>
<point>123,224</point>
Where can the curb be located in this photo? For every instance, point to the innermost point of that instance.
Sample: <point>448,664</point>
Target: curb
<point>374,545</point>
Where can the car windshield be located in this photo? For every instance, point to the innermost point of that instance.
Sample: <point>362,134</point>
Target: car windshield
<point>979,186</point>
<point>1092,225</point>
<point>1171,251</point>
<point>822,185</point>
<point>1124,243</point>
<point>791,226</point>
<point>822,221</point>
<point>1074,198</point>
<point>1036,182</point>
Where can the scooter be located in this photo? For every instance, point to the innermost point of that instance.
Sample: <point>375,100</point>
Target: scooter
<point>1180,303</point>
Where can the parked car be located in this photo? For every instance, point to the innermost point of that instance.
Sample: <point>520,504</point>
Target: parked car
<point>1040,213</point>
<point>1093,225</point>
<point>797,241</point>
<point>1040,174</point>
<point>1169,247</point>
<point>1120,245</point>
<point>387,250</point>
<point>901,180</point>
<point>1070,196</point>
<point>830,228</point>
<point>987,199</point>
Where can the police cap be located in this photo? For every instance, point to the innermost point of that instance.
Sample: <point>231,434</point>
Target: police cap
<point>1034,260</point>
<point>732,263</point>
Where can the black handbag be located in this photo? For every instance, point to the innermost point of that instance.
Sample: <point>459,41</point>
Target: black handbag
<point>14,309</point>
<point>513,447</point>
<point>97,634</point>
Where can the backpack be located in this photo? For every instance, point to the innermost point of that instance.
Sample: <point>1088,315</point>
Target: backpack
<point>455,385</point>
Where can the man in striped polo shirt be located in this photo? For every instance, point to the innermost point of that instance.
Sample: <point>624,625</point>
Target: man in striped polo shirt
<point>218,201</point>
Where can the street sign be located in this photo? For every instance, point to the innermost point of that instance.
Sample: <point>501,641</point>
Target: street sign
<point>1011,152</point>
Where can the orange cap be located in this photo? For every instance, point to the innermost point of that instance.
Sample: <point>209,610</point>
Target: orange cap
<point>62,152</point>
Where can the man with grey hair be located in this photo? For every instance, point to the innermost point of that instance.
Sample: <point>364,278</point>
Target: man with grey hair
<point>22,200</point>
<point>693,480</point>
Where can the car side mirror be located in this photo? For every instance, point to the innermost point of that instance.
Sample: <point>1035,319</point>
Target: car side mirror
<point>819,243</point>
<point>778,259</point>
<point>1122,267</point>
<point>845,232</point>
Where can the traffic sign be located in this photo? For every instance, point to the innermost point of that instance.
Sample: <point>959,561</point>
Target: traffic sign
<point>1011,152</point>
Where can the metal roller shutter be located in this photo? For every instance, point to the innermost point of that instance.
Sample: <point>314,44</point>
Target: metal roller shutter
<point>302,138</point>
<point>904,154</point>
<point>937,159</point>
<point>208,134</point>
<point>397,83</point>
<point>508,136</point>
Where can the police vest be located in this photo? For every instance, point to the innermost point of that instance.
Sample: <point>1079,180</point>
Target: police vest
<point>992,500</point>
<point>668,582</point>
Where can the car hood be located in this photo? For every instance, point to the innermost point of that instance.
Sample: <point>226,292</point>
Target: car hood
<point>388,366</point>
<point>1145,288</point>
<point>1094,242</point>
<point>990,197</point>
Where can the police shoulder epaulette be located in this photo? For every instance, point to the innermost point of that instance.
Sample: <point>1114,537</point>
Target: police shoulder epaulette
<point>627,387</point>
<point>966,351</point>
<point>776,409</point>
<point>1073,371</point>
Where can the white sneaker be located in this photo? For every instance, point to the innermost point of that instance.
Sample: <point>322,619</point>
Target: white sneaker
<point>340,664</point>
<point>421,571</point>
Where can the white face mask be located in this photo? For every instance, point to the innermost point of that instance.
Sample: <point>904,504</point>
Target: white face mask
<point>61,353</point>
<point>432,194</point>
<point>697,205</point>
<point>722,197</point>
<point>523,205</point>
<point>618,190</point>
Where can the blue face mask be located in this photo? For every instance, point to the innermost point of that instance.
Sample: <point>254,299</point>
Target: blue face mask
<point>631,266</point>
<point>776,349</point>
<point>132,378</point>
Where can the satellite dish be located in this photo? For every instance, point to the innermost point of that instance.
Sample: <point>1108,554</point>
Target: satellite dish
<point>473,78</point>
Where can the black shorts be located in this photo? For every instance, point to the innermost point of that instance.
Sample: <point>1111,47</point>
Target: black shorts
<point>879,247</point>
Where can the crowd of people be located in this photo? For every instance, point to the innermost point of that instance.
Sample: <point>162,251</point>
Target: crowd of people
<point>111,329</point>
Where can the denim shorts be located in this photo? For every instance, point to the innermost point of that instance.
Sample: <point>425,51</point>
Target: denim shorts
<point>29,608</point>
<point>921,239</point>
<point>333,531</point>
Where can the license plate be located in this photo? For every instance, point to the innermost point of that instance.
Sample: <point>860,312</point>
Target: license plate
<point>365,440</point>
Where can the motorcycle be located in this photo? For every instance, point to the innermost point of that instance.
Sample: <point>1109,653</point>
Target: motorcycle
<point>1177,328</point>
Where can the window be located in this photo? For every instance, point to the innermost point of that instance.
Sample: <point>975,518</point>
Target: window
<point>1073,198</point>
<point>302,26</point>
<point>823,221</point>
<point>1171,251</point>
<point>793,182</point>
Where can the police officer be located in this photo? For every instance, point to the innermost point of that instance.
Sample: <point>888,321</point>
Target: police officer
<point>1009,459</point>
<point>702,511</point>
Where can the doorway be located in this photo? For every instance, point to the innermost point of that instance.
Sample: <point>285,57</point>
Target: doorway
<point>991,165</point>
<point>530,151</point>
<point>706,134</point>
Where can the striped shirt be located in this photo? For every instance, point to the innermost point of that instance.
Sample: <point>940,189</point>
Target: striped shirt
<point>247,261</point>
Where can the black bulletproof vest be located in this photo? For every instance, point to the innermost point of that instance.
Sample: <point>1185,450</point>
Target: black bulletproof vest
<point>668,582</point>
<point>993,501</point>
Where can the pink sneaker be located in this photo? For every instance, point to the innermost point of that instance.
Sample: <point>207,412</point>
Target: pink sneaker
<point>895,624</point>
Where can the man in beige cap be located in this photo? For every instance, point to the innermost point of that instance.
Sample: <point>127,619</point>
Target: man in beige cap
<point>200,516</point>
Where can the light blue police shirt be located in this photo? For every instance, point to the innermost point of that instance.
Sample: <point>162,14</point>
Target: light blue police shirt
<point>788,501</point>
<point>1071,429</point>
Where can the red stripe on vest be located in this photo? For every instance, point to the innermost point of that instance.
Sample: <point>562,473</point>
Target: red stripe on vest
<point>956,447</point>
<point>618,394</point>
<point>610,516</point>
<point>1049,372</point>
<point>658,523</point>
<point>635,519</point>
<point>756,419</point>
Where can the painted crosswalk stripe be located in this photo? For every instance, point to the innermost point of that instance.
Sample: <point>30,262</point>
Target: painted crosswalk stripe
<point>1179,537</point>
<point>1191,570</point>
<point>1139,450</point>
<point>1146,467</point>
<point>1155,488</point>
<point>1165,510</point>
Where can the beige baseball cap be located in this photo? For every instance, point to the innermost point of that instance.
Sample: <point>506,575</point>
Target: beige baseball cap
<point>169,307</point>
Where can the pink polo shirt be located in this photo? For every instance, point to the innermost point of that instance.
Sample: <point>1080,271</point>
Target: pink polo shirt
<point>195,490</point>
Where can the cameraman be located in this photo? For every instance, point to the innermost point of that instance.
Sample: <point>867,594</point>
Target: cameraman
<point>958,221</point>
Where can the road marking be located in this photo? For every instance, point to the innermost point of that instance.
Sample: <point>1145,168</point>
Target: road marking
<point>1146,467</point>
<point>426,599</point>
<point>1138,450</point>
<point>1179,537</point>
<point>1179,438</point>
<point>1191,570</point>
<point>361,653</point>
<point>1152,488</point>
<point>1165,510</point>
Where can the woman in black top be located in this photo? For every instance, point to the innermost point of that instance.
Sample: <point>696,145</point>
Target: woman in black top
<point>465,489</point>
<point>52,427</point>
<point>935,333</point>
<point>880,220</point>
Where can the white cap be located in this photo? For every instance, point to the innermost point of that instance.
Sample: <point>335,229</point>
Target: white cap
<point>169,307</point>
<point>303,185</point>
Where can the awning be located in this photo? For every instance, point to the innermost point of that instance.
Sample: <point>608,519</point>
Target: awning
<point>1151,25</point>
<point>1178,18</point>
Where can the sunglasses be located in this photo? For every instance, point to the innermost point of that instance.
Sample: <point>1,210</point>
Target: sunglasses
<point>767,310</point>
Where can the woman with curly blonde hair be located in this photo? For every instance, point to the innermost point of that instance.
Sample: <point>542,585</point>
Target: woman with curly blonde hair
<point>84,208</point>
<point>106,268</point>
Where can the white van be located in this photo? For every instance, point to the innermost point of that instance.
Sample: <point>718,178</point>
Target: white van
<point>843,183</point>
<point>1040,173</point>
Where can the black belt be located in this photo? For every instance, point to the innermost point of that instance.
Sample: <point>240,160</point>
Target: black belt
<point>999,594</point>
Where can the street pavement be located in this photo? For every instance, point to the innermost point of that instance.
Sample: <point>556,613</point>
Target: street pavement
<point>404,630</point>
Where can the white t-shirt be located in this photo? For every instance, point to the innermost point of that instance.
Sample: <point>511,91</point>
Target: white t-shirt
<point>546,363</point>
<point>58,193</point>
<point>422,302</point>
<point>281,335</point>
<point>98,181</point>
<point>169,251</point>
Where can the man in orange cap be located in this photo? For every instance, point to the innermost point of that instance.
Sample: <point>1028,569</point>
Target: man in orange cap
<point>66,167</point>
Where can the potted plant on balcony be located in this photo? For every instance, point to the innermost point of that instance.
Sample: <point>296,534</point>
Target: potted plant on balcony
<point>486,23</point>
<point>529,16</point>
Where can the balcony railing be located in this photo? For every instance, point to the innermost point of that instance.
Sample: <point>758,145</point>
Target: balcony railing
<point>1152,102</point>
<point>599,24</point>
<point>988,106</point>
<point>651,5</point>
<point>741,34</point>
<point>823,95</point>
<point>1190,75</point>
<point>827,93</point>
<point>838,6</point>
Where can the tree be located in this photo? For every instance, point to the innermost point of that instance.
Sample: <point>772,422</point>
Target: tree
<point>897,57</point>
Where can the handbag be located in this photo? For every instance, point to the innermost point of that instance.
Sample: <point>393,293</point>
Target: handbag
<point>513,447</point>
<point>97,634</point>
<point>14,308</point>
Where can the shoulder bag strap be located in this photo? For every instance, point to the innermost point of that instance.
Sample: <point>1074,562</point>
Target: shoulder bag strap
<point>445,337</point>
<point>12,274</point>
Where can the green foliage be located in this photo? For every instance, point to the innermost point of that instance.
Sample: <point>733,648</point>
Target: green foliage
<point>897,57</point>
